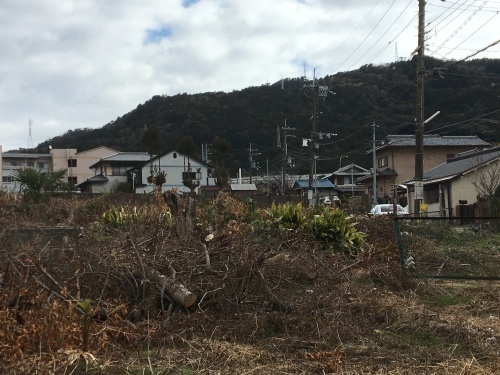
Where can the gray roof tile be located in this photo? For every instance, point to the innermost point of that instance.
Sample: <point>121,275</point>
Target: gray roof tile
<point>462,163</point>
<point>433,140</point>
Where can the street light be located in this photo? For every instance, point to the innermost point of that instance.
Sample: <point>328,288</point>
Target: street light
<point>340,160</point>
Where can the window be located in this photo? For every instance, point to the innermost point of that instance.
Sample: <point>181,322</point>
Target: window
<point>30,164</point>
<point>340,180</point>
<point>382,162</point>
<point>13,163</point>
<point>42,165</point>
<point>71,163</point>
<point>432,194</point>
<point>175,155</point>
<point>188,175</point>
<point>72,180</point>
<point>7,179</point>
<point>119,171</point>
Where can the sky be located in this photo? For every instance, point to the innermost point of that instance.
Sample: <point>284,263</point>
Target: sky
<point>69,64</point>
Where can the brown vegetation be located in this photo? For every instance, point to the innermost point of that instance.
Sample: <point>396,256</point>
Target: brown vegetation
<point>268,301</point>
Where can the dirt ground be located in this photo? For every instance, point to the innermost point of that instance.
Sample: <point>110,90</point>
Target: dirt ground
<point>265,303</point>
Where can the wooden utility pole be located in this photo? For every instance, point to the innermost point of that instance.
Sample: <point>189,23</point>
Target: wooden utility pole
<point>419,133</point>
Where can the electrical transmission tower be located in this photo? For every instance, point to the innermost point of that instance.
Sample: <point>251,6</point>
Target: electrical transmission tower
<point>30,138</point>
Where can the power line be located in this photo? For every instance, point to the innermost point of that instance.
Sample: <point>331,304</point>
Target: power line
<point>494,15</point>
<point>381,36</point>
<point>370,33</point>
<point>462,122</point>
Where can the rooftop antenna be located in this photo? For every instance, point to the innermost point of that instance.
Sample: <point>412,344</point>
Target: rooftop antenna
<point>30,139</point>
<point>396,51</point>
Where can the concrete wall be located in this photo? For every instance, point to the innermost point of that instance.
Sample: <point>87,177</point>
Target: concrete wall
<point>84,160</point>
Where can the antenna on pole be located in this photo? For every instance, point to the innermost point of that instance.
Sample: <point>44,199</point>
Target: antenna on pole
<point>30,139</point>
<point>396,51</point>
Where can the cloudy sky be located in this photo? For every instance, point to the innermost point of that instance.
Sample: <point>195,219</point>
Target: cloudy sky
<point>68,64</point>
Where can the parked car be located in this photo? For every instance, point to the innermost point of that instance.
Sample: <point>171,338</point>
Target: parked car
<point>329,200</point>
<point>385,209</point>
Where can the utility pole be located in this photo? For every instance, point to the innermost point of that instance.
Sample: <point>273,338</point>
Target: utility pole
<point>285,158</point>
<point>252,163</point>
<point>318,91</point>
<point>419,133</point>
<point>374,154</point>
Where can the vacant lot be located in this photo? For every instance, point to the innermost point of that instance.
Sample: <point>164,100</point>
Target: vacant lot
<point>277,291</point>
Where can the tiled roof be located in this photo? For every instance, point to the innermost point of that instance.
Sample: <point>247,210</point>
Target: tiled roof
<point>322,184</point>
<point>97,178</point>
<point>461,164</point>
<point>243,187</point>
<point>131,158</point>
<point>20,155</point>
<point>128,156</point>
<point>433,140</point>
<point>385,172</point>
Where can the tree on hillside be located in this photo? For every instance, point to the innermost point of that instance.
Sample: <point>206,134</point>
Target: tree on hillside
<point>154,144</point>
<point>220,147</point>
<point>188,148</point>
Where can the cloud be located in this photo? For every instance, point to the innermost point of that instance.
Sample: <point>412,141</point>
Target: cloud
<point>70,64</point>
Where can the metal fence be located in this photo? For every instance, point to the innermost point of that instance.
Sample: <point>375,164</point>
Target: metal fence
<point>449,247</point>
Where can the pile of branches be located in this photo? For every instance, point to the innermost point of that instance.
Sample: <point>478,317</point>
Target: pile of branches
<point>172,265</point>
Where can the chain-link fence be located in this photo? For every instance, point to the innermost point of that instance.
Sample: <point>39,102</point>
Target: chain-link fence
<point>449,247</point>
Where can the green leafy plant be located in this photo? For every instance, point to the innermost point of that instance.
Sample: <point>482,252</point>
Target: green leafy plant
<point>119,217</point>
<point>34,184</point>
<point>287,216</point>
<point>334,228</point>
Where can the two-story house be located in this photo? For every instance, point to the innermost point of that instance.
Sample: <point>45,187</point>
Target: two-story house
<point>395,158</point>
<point>345,179</point>
<point>179,169</point>
<point>111,171</point>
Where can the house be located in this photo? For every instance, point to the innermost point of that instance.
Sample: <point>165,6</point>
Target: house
<point>13,160</point>
<point>345,179</point>
<point>77,164</point>
<point>460,180</point>
<point>111,171</point>
<point>181,170</point>
<point>321,187</point>
<point>395,158</point>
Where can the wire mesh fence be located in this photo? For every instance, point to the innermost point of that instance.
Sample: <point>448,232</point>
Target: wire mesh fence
<point>449,247</point>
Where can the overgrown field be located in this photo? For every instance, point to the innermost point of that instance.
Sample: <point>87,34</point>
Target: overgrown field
<point>178,286</point>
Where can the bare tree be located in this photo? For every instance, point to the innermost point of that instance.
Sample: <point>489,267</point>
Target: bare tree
<point>486,178</point>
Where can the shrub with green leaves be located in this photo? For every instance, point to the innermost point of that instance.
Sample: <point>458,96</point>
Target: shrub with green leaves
<point>119,217</point>
<point>336,230</point>
<point>287,216</point>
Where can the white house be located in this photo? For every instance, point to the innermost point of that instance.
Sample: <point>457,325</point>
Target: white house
<point>178,168</point>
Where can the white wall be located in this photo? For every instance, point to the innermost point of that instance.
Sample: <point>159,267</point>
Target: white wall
<point>174,163</point>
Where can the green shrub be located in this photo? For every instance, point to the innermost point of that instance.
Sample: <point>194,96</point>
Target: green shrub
<point>333,228</point>
<point>287,216</point>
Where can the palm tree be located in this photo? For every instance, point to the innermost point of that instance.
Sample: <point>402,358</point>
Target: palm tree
<point>33,183</point>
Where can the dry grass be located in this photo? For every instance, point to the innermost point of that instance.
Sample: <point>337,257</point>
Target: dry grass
<point>267,304</point>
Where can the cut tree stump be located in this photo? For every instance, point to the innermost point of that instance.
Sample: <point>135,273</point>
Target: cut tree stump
<point>176,290</point>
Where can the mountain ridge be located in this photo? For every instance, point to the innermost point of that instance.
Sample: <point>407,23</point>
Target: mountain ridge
<point>381,94</point>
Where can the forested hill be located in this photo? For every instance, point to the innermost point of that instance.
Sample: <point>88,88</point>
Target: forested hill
<point>466,94</point>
